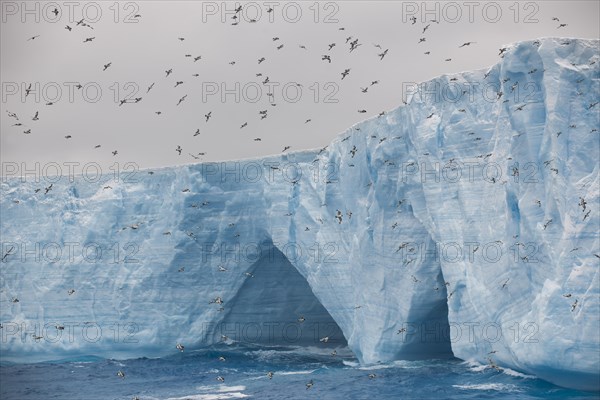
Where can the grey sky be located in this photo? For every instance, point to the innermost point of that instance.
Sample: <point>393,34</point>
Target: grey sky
<point>141,52</point>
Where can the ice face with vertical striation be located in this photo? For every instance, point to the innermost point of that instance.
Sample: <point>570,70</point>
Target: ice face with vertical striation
<point>463,223</point>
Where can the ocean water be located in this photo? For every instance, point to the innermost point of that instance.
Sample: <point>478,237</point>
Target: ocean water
<point>192,375</point>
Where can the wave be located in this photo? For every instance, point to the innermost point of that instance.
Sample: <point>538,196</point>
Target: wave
<point>475,366</point>
<point>305,372</point>
<point>500,387</point>
<point>391,364</point>
<point>223,388</point>
<point>221,392</point>
<point>217,396</point>
<point>517,374</point>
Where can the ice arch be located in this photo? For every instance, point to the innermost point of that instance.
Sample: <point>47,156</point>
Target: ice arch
<point>266,308</point>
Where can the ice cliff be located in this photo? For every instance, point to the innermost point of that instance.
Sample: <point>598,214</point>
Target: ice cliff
<point>465,223</point>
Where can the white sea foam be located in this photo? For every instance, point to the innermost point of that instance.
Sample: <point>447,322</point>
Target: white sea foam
<point>500,387</point>
<point>220,392</point>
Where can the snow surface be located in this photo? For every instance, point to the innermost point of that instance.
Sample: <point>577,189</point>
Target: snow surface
<point>466,235</point>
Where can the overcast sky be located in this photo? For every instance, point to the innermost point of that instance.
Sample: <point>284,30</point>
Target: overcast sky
<point>140,40</point>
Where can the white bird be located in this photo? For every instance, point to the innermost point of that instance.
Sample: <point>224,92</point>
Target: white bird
<point>217,300</point>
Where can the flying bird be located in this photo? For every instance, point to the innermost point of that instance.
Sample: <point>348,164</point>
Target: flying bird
<point>354,45</point>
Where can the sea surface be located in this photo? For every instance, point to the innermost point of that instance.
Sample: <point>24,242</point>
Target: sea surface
<point>192,375</point>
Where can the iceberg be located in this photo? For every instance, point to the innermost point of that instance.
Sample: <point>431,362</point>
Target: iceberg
<point>463,223</point>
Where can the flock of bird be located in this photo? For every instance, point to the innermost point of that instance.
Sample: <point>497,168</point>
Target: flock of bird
<point>352,44</point>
